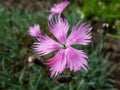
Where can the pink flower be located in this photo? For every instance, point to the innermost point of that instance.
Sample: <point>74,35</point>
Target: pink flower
<point>34,31</point>
<point>58,8</point>
<point>67,56</point>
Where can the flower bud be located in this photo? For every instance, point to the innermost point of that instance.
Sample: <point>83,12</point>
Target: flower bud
<point>64,79</point>
<point>104,29</point>
<point>36,61</point>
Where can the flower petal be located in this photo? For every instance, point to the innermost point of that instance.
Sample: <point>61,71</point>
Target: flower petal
<point>45,45</point>
<point>76,59</point>
<point>67,58</point>
<point>57,63</point>
<point>34,31</point>
<point>59,28</point>
<point>50,16</point>
<point>80,34</point>
<point>58,8</point>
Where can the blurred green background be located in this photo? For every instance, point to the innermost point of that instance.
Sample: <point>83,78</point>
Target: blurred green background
<point>15,45</point>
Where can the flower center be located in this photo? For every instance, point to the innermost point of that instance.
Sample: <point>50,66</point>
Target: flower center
<point>64,46</point>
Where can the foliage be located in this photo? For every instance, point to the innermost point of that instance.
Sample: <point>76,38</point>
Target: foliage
<point>17,74</point>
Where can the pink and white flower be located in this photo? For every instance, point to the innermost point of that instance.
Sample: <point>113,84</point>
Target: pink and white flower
<point>66,56</point>
<point>58,8</point>
<point>34,31</point>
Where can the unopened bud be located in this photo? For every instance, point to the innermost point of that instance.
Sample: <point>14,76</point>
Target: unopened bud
<point>36,61</point>
<point>64,79</point>
<point>31,59</point>
<point>105,26</point>
<point>104,29</point>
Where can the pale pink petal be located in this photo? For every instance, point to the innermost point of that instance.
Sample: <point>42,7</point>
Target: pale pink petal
<point>76,59</point>
<point>67,58</point>
<point>57,63</point>
<point>59,28</point>
<point>45,45</point>
<point>34,31</point>
<point>58,8</point>
<point>51,16</point>
<point>80,34</point>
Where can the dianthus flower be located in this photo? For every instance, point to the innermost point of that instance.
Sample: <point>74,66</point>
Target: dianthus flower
<point>58,8</point>
<point>66,56</point>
